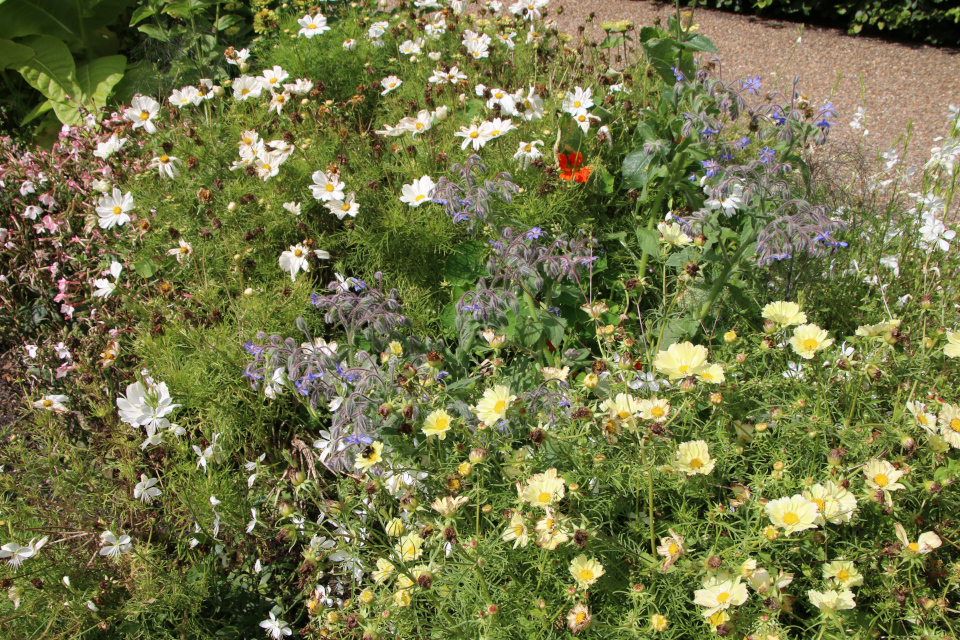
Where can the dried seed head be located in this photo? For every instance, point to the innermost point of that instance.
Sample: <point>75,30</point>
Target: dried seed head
<point>580,537</point>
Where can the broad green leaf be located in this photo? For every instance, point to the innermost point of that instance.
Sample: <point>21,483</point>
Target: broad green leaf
<point>611,41</point>
<point>12,55</point>
<point>37,111</point>
<point>649,240</point>
<point>661,54</point>
<point>145,268</point>
<point>102,13</point>
<point>141,14</point>
<point>57,18</point>
<point>698,42</point>
<point>465,264</point>
<point>98,78</point>
<point>225,22</point>
<point>153,31</point>
<point>51,70</point>
<point>634,170</point>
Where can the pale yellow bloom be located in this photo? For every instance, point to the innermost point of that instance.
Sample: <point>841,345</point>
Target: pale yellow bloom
<point>784,314</point>
<point>950,424</point>
<point>671,548</point>
<point>494,404</point>
<point>578,618</point>
<point>832,600</point>
<point>808,339</point>
<point>842,573</point>
<point>409,548</point>
<point>719,596</point>
<point>834,503</point>
<point>437,424</point>
<point>673,235</point>
<point>655,409</point>
<point>402,598</point>
<point>927,421</point>
<point>875,330</point>
<point>544,489</point>
<point>952,349</point>
<point>551,531</point>
<point>586,571</point>
<point>880,474</point>
<point>926,543</point>
<point>793,514</point>
<point>553,373</point>
<point>396,348</point>
<point>384,571</point>
<point>448,506</point>
<point>659,622</point>
<point>712,374</point>
<point>369,456</point>
<point>395,528</point>
<point>517,531</point>
<point>694,458</point>
<point>681,360</point>
<point>624,408</point>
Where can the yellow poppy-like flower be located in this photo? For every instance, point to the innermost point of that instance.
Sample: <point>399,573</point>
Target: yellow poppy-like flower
<point>834,503</point>
<point>949,420</point>
<point>832,599</point>
<point>927,542</point>
<point>578,618</point>
<point>544,489</point>
<point>655,409</point>
<point>681,360</point>
<point>402,598</point>
<point>808,339</point>
<point>673,235</point>
<point>624,408</point>
<point>372,454</point>
<point>784,314</point>
<point>437,424</point>
<point>793,514</point>
<point>517,531</point>
<point>409,548</point>
<point>494,404</point>
<point>712,374</point>
<point>952,348</point>
<point>927,421</point>
<point>876,330</point>
<point>586,571</point>
<point>719,596</point>
<point>448,506</point>
<point>881,474</point>
<point>694,458</point>
<point>842,573</point>
<point>385,570</point>
<point>396,348</point>
<point>395,528</point>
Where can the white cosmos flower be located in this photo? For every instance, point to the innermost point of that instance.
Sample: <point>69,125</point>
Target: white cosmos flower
<point>246,87</point>
<point>527,153</point>
<point>278,101</point>
<point>186,96</point>
<point>419,192</point>
<point>296,260</point>
<point>345,207</point>
<point>409,47</point>
<point>142,111</point>
<point>349,44</point>
<point>500,127</point>
<point>183,252</point>
<point>312,25</point>
<point>273,77</point>
<point>113,209</point>
<point>252,523</point>
<point>109,147</point>
<point>146,489</point>
<point>275,627</point>
<point>55,403</point>
<point>508,105</point>
<point>114,546</point>
<point>326,186</point>
<point>475,135</point>
<point>389,84</point>
<point>166,166</point>
<point>104,288</point>
<point>299,88</point>
<point>292,207</point>
<point>578,101</point>
<point>531,103</point>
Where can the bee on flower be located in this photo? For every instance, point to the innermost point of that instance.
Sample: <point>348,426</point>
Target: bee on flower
<point>671,548</point>
<point>551,530</point>
<point>370,456</point>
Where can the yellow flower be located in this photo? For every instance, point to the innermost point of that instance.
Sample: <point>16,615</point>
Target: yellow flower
<point>681,360</point>
<point>926,543</point>
<point>544,489</point>
<point>586,571</point>
<point>712,374</point>
<point>658,622</point>
<point>843,574</point>
<point>694,458</point>
<point>730,336</point>
<point>396,348</point>
<point>793,514</point>
<point>553,373</point>
<point>952,350</point>
<point>624,408</point>
<point>369,456</point>
<point>832,599</point>
<point>366,596</point>
<point>384,571</point>
<point>517,531</point>
<point>655,409</point>
<point>401,598</point>
<point>590,381</point>
<point>784,314</point>
<point>447,506</point>
<point>926,420</point>
<point>882,475</point>
<point>834,503</point>
<point>551,531</point>
<point>719,595</point>
<point>395,528</point>
<point>437,424</point>
<point>409,548</point>
<point>670,548</point>
<point>673,235</point>
<point>808,339</point>
<point>494,404</point>
<point>874,330</point>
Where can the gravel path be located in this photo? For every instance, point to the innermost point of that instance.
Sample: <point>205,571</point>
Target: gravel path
<point>900,83</point>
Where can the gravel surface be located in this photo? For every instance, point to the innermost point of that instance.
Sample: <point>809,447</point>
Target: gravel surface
<point>900,82</point>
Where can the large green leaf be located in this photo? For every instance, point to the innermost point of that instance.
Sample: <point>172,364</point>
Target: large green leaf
<point>57,18</point>
<point>51,70</point>
<point>98,78</point>
<point>634,169</point>
<point>12,55</point>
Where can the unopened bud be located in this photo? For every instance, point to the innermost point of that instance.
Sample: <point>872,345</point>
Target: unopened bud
<point>834,458</point>
<point>769,326</point>
<point>716,398</point>
<point>700,240</point>
<point>730,336</point>
<point>689,384</point>
<point>926,301</point>
<point>384,410</point>
<point>477,455</point>
<point>590,381</point>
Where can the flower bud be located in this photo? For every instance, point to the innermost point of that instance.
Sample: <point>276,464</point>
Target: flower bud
<point>834,458</point>
<point>741,357</point>
<point>929,343</point>
<point>298,478</point>
<point>409,371</point>
<point>285,508</point>
<point>333,617</point>
<point>766,344</point>
<point>761,427</point>
<point>689,384</point>
<point>716,398</point>
<point>590,381</point>
<point>248,292</point>
<point>625,363</point>
<point>434,359</point>
<point>464,469</point>
<point>778,465</point>
<point>926,301</point>
<point>700,239</point>
<point>908,443</point>
<point>730,336</point>
<point>366,596</point>
<point>771,533</point>
<point>232,206</point>
<point>769,326</point>
<point>478,455</point>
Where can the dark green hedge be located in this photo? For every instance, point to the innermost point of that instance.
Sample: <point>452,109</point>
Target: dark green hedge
<point>933,21</point>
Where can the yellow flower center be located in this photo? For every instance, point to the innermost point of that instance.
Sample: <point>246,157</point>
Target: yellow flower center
<point>298,253</point>
<point>144,115</point>
<point>184,250</point>
<point>244,92</point>
<point>581,118</point>
<point>684,368</point>
<point>329,187</point>
<point>419,198</point>
<point>498,408</point>
<point>498,95</point>
<point>790,518</point>
<point>265,167</point>
<point>586,575</point>
<point>706,375</point>
<point>48,403</point>
<point>164,159</point>
<point>418,126</point>
<point>528,148</point>
<point>312,26</point>
<point>474,134</point>
<point>673,548</point>
<point>881,480</point>
<point>579,618</point>
<point>518,530</point>
<point>544,497</point>
<point>247,141</point>
<point>657,412</point>
<point>576,105</point>
<point>345,207</point>
<point>549,523</point>
<point>955,425</point>
<point>117,211</point>
<point>821,505</point>
<point>696,463</point>
<point>843,575</point>
<point>914,547</point>
<point>922,419</point>
<point>723,597</point>
<point>810,344</point>
<point>623,415</point>
<point>273,80</point>
<point>442,424</point>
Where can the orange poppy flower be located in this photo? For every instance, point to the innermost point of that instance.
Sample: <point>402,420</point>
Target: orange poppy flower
<point>570,167</point>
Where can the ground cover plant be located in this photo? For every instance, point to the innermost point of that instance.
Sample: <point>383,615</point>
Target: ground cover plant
<point>436,324</point>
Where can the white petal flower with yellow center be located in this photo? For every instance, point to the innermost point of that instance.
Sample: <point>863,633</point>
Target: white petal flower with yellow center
<point>681,360</point>
<point>494,404</point>
<point>952,349</point>
<point>808,339</point>
<point>832,600</point>
<point>544,489</point>
<point>834,503</point>
<point>792,514</point>
<point>842,573</point>
<point>657,409</point>
<point>672,234</point>
<point>719,596</point>
<point>586,571</point>
<point>419,192</point>
<point>517,531</point>
<point>693,458</point>
<point>623,408</point>
<point>409,548</point>
<point>438,423</point>
<point>926,543</point>
<point>784,314</point>
<point>949,420</point>
<point>880,474</point>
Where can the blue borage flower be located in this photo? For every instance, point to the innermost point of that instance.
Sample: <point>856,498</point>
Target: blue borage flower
<point>752,85</point>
